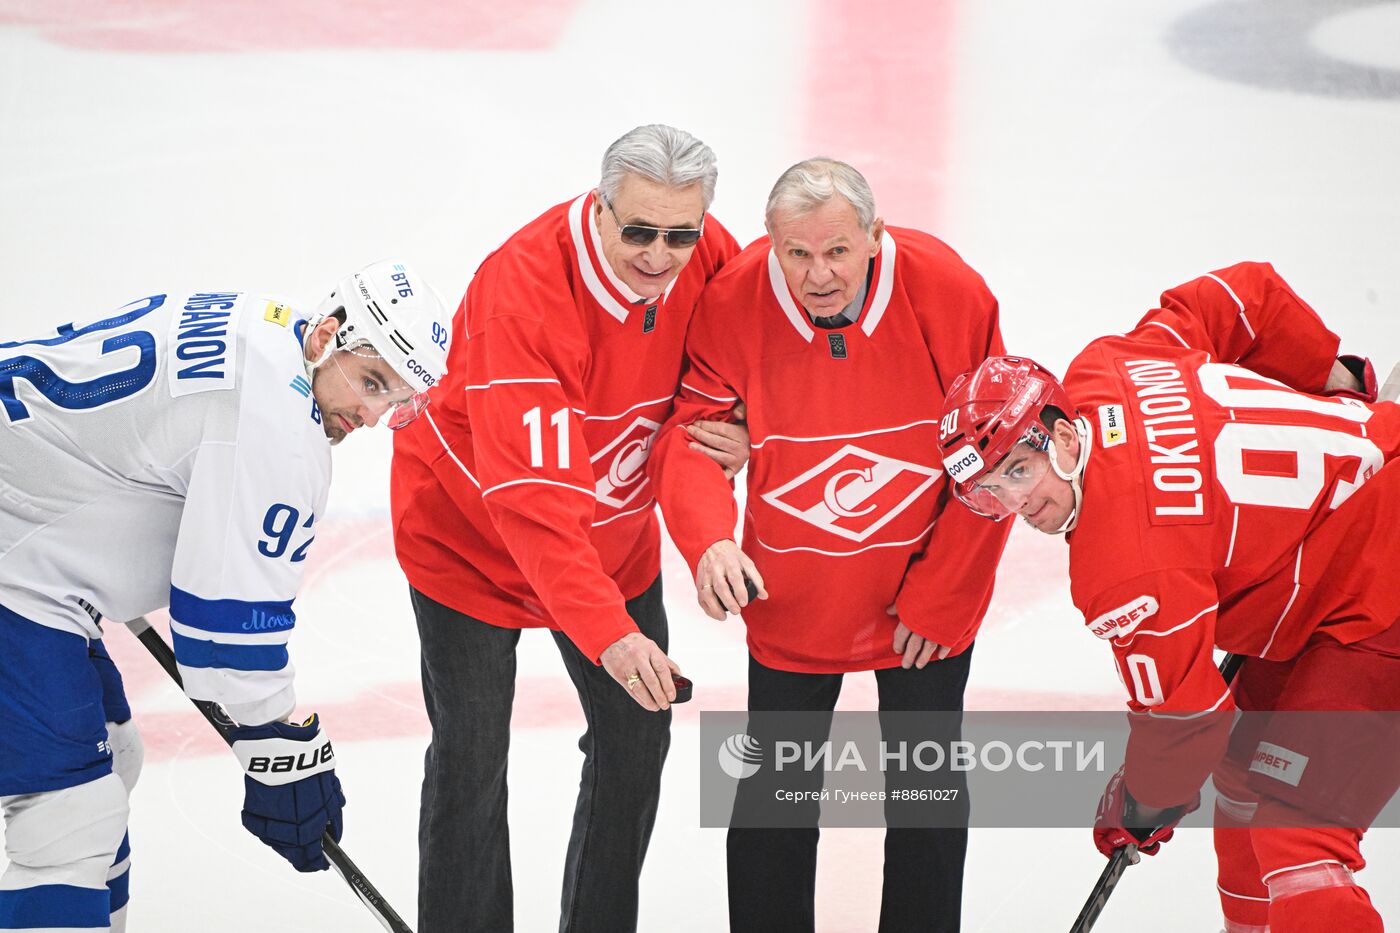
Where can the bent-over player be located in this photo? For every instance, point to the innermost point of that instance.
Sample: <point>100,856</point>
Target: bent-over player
<point>1225,481</point>
<point>175,453</point>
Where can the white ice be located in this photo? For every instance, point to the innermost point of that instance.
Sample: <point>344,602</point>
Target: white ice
<point>1083,156</point>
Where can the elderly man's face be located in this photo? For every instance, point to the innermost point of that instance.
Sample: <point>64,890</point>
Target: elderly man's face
<point>647,270</point>
<point>824,254</point>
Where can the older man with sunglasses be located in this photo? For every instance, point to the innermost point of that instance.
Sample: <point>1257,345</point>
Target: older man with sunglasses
<point>523,501</point>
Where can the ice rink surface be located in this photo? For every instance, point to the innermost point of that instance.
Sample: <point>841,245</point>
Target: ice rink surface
<point>1082,156</point>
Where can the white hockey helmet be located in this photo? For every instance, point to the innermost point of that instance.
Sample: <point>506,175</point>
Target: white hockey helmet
<point>393,309</point>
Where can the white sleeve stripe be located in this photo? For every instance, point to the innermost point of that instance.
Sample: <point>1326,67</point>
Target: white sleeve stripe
<point>1240,897</point>
<point>1321,861</point>
<point>231,638</point>
<point>1170,331</point>
<point>868,547</point>
<point>839,437</point>
<point>1234,528</point>
<point>445,446</point>
<point>717,398</point>
<point>1236,298</point>
<point>1185,716</point>
<point>614,518</point>
<point>543,482</point>
<point>1297,570</point>
<point>1187,624</point>
<point>504,382</point>
<point>655,401</point>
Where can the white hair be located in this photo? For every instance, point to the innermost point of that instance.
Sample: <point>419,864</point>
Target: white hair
<point>662,154</point>
<point>811,183</point>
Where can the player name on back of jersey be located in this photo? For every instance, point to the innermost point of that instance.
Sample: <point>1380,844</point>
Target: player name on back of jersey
<point>203,341</point>
<point>1170,439</point>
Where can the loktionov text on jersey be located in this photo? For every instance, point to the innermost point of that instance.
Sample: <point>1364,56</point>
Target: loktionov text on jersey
<point>1169,426</point>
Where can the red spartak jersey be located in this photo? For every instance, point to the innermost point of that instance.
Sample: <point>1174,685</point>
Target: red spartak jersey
<point>521,497</point>
<point>1225,501</point>
<point>846,497</point>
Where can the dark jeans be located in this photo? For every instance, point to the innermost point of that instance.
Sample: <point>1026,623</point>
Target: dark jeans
<point>772,872</point>
<point>464,879</point>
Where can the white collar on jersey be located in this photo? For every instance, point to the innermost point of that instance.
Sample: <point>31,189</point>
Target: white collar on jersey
<point>581,221</point>
<point>884,287</point>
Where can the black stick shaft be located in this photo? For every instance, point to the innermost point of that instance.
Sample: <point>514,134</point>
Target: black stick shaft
<point>214,713</point>
<point>1124,857</point>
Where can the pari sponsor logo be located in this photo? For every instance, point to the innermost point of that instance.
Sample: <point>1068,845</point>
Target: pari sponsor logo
<point>1116,623</point>
<point>1279,763</point>
<point>619,468</point>
<point>853,493</point>
<point>261,621</point>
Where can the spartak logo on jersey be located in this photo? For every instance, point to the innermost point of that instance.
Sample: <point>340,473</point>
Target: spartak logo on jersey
<point>853,493</point>
<point>621,466</point>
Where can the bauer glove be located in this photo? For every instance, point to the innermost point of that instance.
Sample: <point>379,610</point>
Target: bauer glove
<point>1117,824</point>
<point>291,794</point>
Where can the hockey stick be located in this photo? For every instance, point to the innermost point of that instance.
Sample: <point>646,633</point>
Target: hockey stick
<point>220,720</point>
<point>1391,390</point>
<point>1127,855</point>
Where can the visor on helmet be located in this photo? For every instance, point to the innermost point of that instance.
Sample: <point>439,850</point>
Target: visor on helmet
<point>396,405</point>
<point>1002,491</point>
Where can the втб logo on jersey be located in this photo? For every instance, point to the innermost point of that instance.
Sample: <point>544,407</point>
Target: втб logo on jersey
<point>623,463</point>
<point>853,493</point>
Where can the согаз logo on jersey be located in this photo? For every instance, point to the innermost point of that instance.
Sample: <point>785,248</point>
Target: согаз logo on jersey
<point>854,493</point>
<point>740,756</point>
<point>620,467</point>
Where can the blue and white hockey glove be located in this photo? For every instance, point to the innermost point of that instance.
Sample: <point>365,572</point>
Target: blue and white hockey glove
<point>291,794</point>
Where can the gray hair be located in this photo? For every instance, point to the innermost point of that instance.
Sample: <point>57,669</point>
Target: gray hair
<point>811,183</point>
<point>662,154</point>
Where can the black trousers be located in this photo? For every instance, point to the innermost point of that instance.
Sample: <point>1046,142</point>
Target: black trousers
<point>464,876</point>
<point>772,872</point>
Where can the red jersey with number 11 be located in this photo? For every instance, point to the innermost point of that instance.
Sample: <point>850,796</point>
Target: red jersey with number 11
<point>521,497</point>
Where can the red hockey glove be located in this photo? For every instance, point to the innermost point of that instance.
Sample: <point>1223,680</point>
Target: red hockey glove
<point>1365,373</point>
<point>1117,824</point>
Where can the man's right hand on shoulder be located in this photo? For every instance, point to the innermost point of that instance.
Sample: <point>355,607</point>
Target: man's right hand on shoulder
<point>642,668</point>
<point>719,580</point>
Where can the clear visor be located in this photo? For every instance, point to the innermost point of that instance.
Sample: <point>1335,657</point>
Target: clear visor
<point>1004,489</point>
<point>394,403</point>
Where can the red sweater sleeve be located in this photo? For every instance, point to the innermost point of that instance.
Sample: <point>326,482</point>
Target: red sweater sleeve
<point>696,500</point>
<point>947,589</point>
<point>1247,314</point>
<point>537,486</point>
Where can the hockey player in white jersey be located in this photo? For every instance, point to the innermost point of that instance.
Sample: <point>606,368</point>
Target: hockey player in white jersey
<point>175,453</point>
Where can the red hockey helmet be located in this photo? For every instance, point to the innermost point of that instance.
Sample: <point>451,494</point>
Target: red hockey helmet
<point>987,413</point>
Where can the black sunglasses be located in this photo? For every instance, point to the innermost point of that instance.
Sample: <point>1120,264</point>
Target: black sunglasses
<point>639,235</point>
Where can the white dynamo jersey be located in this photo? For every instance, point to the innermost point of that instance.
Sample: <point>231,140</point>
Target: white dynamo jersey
<point>170,454</point>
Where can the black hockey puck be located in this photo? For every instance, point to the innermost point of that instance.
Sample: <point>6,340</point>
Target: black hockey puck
<point>750,588</point>
<point>683,688</point>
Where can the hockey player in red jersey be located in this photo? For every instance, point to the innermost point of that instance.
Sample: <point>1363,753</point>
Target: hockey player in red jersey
<point>524,503</point>
<point>839,335</point>
<point>1225,481</point>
